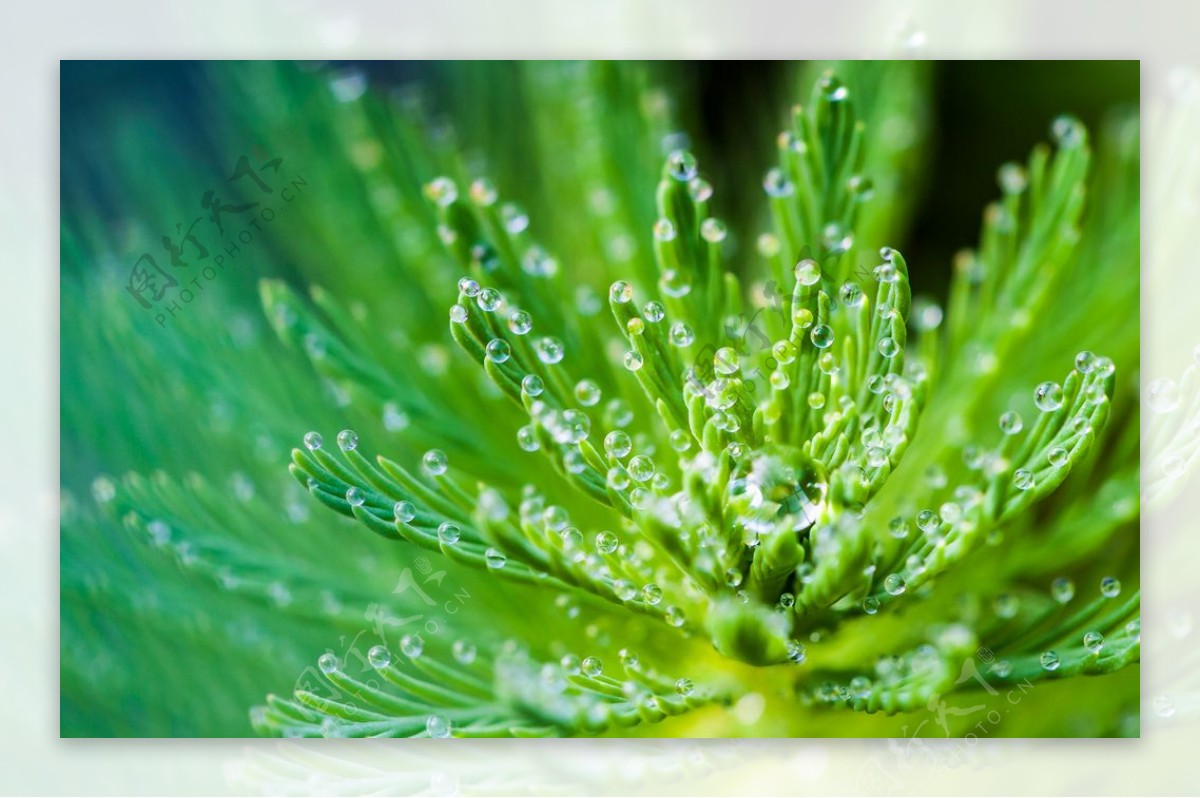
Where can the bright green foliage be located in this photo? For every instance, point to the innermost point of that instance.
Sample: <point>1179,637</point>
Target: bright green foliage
<point>761,466</point>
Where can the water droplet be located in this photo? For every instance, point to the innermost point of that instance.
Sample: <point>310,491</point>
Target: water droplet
<point>681,440</point>
<point>449,533</point>
<point>435,462</point>
<point>682,166</point>
<point>877,457</point>
<point>651,593</point>
<point>700,190</point>
<point>1023,479</point>
<point>591,666</point>
<point>442,191</point>
<point>624,589</point>
<point>617,413</point>
<point>684,687</point>
<point>1093,642</point>
<point>726,362</point>
<point>808,272</point>
<point>618,478</point>
<point>1011,423</point>
<point>1050,661</point>
<point>816,400</point>
<point>822,336</point>
<point>928,520</point>
<point>606,542</point>
<point>464,651</point>
<point>777,185</point>
<point>1162,396</point>
<point>514,219</point>
<point>527,438</point>
<point>347,440</point>
<point>888,347</point>
<point>664,230</point>
<point>404,511</point>
<point>1062,589</point>
<point>870,605</point>
<point>355,497</point>
<point>894,584</point>
<point>618,443</point>
<point>1134,629</point>
<point>681,334</point>
<point>495,559</point>
<point>437,726</point>
<point>549,350</point>
<point>313,441</point>
<point>379,657</point>
<point>1085,362</point>
<point>713,231</point>
<point>675,616</point>
<point>532,385</point>
<point>1067,131</point>
<point>458,314</point>
<point>861,188</point>
<point>633,360</point>
<point>574,427</point>
<point>852,296</point>
<point>1006,605</point>
<point>412,646</point>
<point>488,299</point>
<point>641,468</point>
<point>796,652</point>
<point>1048,396</point>
<point>498,350</point>
<point>1012,178</point>
<point>1057,456</point>
<point>328,663</point>
<point>468,287</point>
<point>1110,587</point>
<point>620,292</point>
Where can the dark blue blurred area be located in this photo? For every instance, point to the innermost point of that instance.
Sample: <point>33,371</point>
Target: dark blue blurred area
<point>985,112</point>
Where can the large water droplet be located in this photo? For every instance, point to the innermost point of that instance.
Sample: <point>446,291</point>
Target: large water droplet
<point>822,336</point>
<point>1048,396</point>
<point>498,350</point>
<point>1011,423</point>
<point>437,726</point>
<point>606,542</point>
<point>463,651</point>
<point>549,350</point>
<point>412,646</point>
<point>495,559</point>
<point>435,462</point>
<point>379,657</point>
<point>1062,589</point>
<point>449,533</point>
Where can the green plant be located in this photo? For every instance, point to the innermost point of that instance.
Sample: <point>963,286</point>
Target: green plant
<point>756,490</point>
